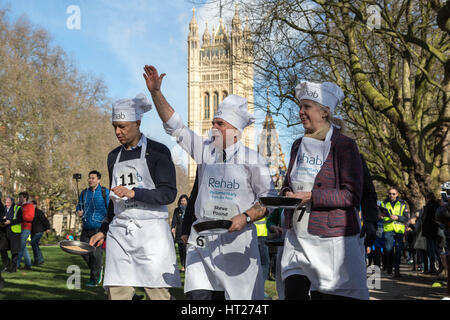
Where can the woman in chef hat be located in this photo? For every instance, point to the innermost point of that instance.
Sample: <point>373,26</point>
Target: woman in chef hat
<point>323,256</point>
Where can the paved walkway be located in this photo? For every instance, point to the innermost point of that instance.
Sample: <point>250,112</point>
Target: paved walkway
<point>413,285</point>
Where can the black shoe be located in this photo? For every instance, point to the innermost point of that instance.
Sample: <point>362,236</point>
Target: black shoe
<point>11,270</point>
<point>397,274</point>
<point>389,271</point>
<point>138,297</point>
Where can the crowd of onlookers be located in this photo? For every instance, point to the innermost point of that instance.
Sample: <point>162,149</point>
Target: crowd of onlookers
<point>20,222</point>
<point>422,243</point>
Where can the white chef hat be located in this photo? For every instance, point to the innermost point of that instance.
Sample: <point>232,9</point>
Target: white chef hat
<point>327,93</point>
<point>234,110</point>
<point>130,110</point>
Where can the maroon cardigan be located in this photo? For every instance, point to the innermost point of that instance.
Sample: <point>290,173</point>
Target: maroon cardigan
<point>337,189</point>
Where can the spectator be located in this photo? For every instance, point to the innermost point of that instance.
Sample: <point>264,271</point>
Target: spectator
<point>394,230</point>
<point>275,223</point>
<point>92,207</point>
<point>27,220</point>
<point>430,230</point>
<point>420,244</point>
<point>177,222</point>
<point>13,231</point>
<point>376,250</point>
<point>39,226</point>
<point>443,217</point>
<point>262,232</point>
<point>3,238</point>
<point>410,237</point>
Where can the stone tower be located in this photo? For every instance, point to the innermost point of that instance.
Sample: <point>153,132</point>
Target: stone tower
<point>218,65</point>
<point>270,148</point>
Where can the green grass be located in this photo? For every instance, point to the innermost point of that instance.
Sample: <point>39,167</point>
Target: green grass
<point>49,281</point>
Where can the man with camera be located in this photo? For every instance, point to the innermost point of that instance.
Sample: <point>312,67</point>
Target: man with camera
<point>92,208</point>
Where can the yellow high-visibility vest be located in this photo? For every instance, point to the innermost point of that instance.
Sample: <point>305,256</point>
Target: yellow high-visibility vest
<point>261,228</point>
<point>391,225</point>
<point>17,228</point>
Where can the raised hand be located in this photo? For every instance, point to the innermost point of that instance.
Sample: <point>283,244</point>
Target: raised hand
<point>152,79</point>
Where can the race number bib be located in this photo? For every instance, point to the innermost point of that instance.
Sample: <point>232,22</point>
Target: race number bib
<point>300,218</point>
<point>220,210</point>
<point>196,239</point>
<point>130,178</point>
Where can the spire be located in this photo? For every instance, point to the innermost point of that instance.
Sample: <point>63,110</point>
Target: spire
<point>236,22</point>
<point>193,20</point>
<point>206,36</point>
<point>247,27</point>
<point>220,34</point>
<point>193,27</point>
<point>268,122</point>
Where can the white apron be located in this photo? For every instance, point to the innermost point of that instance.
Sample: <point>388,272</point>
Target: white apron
<point>227,261</point>
<point>140,250</point>
<point>334,265</point>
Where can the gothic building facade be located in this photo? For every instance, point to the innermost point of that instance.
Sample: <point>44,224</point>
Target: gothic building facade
<point>219,63</point>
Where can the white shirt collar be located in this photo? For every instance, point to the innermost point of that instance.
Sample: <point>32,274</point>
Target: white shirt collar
<point>230,151</point>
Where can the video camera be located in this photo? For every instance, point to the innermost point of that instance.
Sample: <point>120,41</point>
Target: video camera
<point>77,176</point>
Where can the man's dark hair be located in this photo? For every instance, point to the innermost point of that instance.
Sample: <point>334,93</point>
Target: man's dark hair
<point>24,194</point>
<point>34,202</point>
<point>96,173</point>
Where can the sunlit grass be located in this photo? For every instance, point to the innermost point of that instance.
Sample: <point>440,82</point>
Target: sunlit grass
<point>49,281</point>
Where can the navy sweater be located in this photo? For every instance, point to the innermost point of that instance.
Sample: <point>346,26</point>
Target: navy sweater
<point>162,171</point>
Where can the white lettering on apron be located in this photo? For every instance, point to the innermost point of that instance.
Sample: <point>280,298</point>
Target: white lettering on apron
<point>224,261</point>
<point>334,265</point>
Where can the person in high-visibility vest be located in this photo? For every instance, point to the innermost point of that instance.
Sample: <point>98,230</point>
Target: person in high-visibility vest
<point>262,232</point>
<point>14,228</point>
<point>394,230</point>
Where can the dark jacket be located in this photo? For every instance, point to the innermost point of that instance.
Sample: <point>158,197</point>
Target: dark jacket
<point>337,189</point>
<point>369,207</point>
<point>162,171</point>
<point>430,227</point>
<point>177,222</point>
<point>189,214</point>
<point>40,222</point>
<point>9,214</point>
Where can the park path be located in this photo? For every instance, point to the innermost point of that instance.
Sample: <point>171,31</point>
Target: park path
<point>413,285</point>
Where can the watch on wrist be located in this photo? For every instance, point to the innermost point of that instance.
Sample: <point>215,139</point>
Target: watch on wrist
<point>248,219</point>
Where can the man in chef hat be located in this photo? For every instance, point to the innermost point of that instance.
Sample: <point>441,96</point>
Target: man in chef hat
<point>140,250</point>
<point>231,179</point>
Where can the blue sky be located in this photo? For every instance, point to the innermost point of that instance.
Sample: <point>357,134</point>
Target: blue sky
<point>117,38</point>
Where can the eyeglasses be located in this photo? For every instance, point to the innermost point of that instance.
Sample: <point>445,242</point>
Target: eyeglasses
<point>392,194</point>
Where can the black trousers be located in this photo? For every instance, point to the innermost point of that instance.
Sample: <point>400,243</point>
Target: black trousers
<point>205,295</point>
<point>297,287</point>
<point>93,260</point>
<point>182,252</point>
